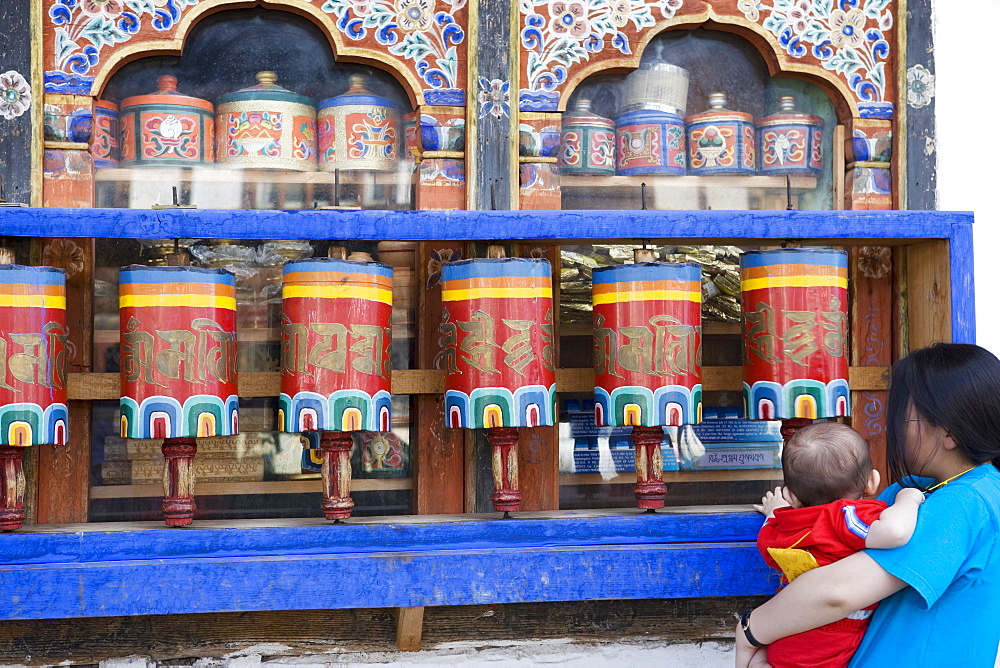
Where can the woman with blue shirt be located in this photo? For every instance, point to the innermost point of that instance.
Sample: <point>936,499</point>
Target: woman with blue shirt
<point>940,592</point>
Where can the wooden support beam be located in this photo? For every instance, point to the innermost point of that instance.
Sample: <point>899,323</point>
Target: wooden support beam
<point>439,452</point>
<point>928,293</point>
<point>64,471</point>
<point>96,386</point>
<point>409,628</point>
<point>871,279</point>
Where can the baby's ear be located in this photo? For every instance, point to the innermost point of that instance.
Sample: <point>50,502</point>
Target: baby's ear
<point>871,487</point>
<point>791,498</point>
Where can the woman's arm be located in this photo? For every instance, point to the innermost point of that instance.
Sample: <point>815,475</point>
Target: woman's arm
<point>818,597</point>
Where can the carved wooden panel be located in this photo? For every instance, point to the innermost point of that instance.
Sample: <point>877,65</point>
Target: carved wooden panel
<point>422,41</point>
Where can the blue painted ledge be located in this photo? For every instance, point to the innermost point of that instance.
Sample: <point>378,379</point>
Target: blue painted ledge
<point>478,225</point>
<point>706,226</point>
<point>61,571</point>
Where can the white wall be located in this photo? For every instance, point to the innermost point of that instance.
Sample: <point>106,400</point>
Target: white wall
<point>968,100</point>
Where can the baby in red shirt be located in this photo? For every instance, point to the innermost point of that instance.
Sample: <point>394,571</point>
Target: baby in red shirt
<point>820,516</point>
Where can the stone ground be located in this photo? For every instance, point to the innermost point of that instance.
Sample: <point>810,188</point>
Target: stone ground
<point>496,654</point>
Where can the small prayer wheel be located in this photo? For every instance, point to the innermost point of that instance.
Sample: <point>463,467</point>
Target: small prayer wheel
<point>336,344</point>
<point>498,356</point>
<point>647,358</point>
<point>795,357</point>
<point>33,355</point>
<point>178,368</point>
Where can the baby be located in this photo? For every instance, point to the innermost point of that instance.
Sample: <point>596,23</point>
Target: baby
<point>820,516</point>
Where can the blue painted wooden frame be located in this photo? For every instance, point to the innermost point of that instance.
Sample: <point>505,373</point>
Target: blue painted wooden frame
<point>147,568</point>
<point>815,226</point>
<point>106,570</point>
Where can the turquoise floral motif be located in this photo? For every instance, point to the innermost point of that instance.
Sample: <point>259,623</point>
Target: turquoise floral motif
<point>558,34</point>
<point>83,28</point>
<point>15,95</point>
<point>847,36</point>
<point>415,30</point>
<point>919,86</point>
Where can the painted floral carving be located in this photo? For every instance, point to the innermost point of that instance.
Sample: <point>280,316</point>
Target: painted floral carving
<point>439,257</point>
<point>381,451</point>
<point>875,261</point>
<point>620,10</point>
<point>413,15</point>
<point>846,36</point>
<point>669,7</point>
<point>421,31</point>
<point>799,14</point>
<point>919,86</point>
<point>558,34</point>
<point>847,28</point>
<point>66,254</point>
<point>494,98</point>
<point>108,8</point>
<point>83,28</point>
<point>570,19</point>
<point>15,95</point>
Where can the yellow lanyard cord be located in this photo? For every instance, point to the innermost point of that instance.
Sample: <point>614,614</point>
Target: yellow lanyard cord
<point>942,484</point>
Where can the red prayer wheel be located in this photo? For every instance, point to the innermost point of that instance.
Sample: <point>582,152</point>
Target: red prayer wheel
<point>178,367</point>
<point>647,359</point>
<point>33,353</point>
<point>335,361</point>
<point>795,362</point>
<point>498,356</point>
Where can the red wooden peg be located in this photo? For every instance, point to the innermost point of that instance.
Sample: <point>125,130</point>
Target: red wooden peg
<point>336,447</point>
<point>11,487</point>
<point>506,496</point>
<point>178,481</point>
<point>650,491</point>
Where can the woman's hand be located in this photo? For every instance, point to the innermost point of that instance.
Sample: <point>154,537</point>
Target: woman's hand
<point>771,501</point>
<point>748,656</point>
<point>823,595</point>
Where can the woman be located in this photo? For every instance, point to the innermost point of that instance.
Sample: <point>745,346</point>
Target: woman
<point>941,589</point>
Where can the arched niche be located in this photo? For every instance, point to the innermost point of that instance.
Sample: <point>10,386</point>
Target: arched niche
<point>722,62</point>
<point>778,63</point>
<point>201,17</point>
<point>223,52</point>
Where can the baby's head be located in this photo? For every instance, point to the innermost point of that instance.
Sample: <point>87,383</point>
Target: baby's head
<point>827,461</point>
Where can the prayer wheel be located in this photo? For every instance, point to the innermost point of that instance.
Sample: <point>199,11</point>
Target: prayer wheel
<point>498,356</point>
<point>647,359</point>
<point>266,126</point>
<point>795,356</point>
<point>720,140</point>
<point>790,142</point>
<point>165,128</point>
<point>335,362</point>
<point>358,130</point>
<point>178,368</point>
<point>33,352</point>
<point>104,146</point>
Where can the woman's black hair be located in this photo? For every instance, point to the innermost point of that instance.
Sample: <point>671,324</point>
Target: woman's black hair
<point>951,385</point>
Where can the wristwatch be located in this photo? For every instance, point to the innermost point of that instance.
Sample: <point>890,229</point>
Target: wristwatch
<point>745,625</point>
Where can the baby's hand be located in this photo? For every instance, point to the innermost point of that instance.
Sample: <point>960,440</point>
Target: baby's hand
<point>772,501</point>
<point>910,493</point>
